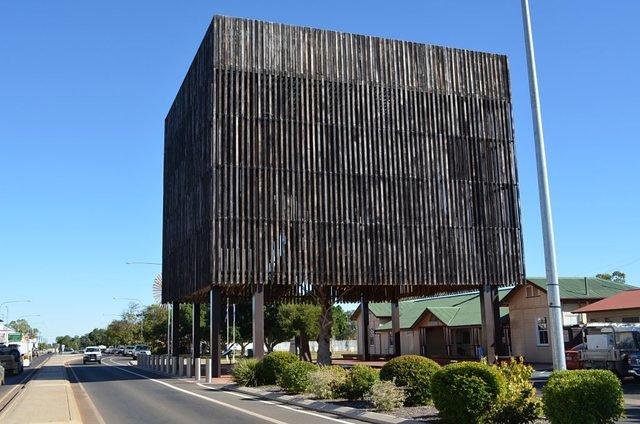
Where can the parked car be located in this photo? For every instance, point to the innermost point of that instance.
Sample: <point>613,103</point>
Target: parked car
<point>11,360</point>
<point>128,350</point>
<point>92,354</point>
<point>140,349</point>
<point>119,350</point>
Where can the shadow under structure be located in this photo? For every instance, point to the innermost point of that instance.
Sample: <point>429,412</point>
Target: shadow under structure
<point>317,166</point>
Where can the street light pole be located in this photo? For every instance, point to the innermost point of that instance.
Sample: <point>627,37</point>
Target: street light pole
<point>7,307</point>
<point>553,288</point>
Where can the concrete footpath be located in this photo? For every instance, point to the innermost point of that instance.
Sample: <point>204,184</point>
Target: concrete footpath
<point>47,398</point>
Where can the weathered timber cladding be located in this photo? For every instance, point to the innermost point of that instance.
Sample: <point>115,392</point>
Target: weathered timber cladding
<point>297,157</point>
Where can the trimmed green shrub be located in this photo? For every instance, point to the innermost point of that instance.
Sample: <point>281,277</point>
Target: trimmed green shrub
<point>325,382</point>
<point>583,396</point>
<point>273,364</point>
<point>359,381</point>
<point>464,392</point>
<point>386,396</point>
<point>413,373</point>
<point>246,372</point>
<point>295,377</point>
<point>518,403</point>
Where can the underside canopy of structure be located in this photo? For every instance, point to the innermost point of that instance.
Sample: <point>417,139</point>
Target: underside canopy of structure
<point>298,158</point>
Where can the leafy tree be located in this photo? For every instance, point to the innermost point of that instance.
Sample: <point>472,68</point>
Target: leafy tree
<point>275,331</point>
<point>155,327</point>
<point>68,341</point>
<point>342,328</point>
<point>22,326</point>
<point>615,276</point>
<point>122,332</point>
<point>303,320</point>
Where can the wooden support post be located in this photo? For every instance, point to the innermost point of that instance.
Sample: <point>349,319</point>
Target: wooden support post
<point>365,329</point>
<point>196,334</point>
<point>488,323</point>
<point>214,332</point>
<point>395,326</point>
<point>175,330</point>
<point>258,323</point>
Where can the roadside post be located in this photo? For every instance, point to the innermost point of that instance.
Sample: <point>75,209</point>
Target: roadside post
<point>207,368</point>
<point>197,368</point>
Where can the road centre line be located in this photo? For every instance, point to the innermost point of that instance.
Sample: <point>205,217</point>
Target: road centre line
<point>278,404</point>
<point>218,402</point>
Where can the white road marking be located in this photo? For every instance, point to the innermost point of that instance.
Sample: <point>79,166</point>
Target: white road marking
<point>88,398</point>
<point>235,408</point>
<point>268,402</point>
<point>278,404</point>
<point>116,365</point>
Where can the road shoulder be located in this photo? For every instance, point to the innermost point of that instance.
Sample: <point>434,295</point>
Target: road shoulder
<point>47,397</point>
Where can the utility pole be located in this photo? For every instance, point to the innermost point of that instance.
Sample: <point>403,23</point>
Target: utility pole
<point>553,288</point>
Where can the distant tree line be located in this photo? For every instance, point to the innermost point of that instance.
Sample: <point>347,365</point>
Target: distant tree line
<point>283,322</point>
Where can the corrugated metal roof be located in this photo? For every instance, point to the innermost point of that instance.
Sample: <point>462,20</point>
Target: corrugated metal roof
<point>584,287</point>
<point>621,300</point>
<point>453,310</point>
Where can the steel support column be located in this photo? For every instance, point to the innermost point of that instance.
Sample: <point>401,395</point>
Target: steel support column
<point>258,323</point>
<point>175,329</point>
<point>214,331</point>
<point>365,329</point>
<point>196,333</point>
<point>395,326</point>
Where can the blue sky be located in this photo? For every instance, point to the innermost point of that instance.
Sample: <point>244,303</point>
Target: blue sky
<point>85,87</point>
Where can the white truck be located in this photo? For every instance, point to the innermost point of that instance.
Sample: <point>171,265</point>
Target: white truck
<point>92,354</point>
<point>612,346</point>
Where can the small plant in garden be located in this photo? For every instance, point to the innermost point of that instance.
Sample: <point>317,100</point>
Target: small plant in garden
<point>358,382</point>
<point>273,364</point>
<point>295,377</point>
<point>246,372</point>
<point>583,396</point>
<point>386,396</point>
<point>325,382</point>
<point>518,403</point>
<point>464,392</point>
<point>413,373</point>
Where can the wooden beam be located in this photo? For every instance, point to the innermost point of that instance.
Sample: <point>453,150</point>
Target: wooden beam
<point>297,157</point>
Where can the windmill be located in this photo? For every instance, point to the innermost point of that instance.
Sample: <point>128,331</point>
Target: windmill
<point>156,289</point>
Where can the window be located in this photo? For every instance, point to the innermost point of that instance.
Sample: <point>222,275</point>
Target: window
<point>631,319</point>
<point>542,333</point>
<point>532,291</point>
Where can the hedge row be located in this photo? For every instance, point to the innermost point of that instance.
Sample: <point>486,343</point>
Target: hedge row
<point>469,392</point>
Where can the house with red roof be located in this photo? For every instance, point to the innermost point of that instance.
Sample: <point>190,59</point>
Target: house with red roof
<point>529,312</point>
<point>621,307</point>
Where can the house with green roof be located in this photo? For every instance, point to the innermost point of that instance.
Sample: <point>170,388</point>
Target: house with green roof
<point>450,327</point>
<point>529,312</point>
<point>447,326</point>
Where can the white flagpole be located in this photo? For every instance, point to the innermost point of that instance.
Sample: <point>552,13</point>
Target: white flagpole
<point>553,288</point>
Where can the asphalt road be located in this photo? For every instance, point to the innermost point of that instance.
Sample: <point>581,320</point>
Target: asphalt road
<point>125,394</point>
<point>12,380</point>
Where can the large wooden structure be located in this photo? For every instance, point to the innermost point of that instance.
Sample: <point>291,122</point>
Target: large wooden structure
<point>297,157</point>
